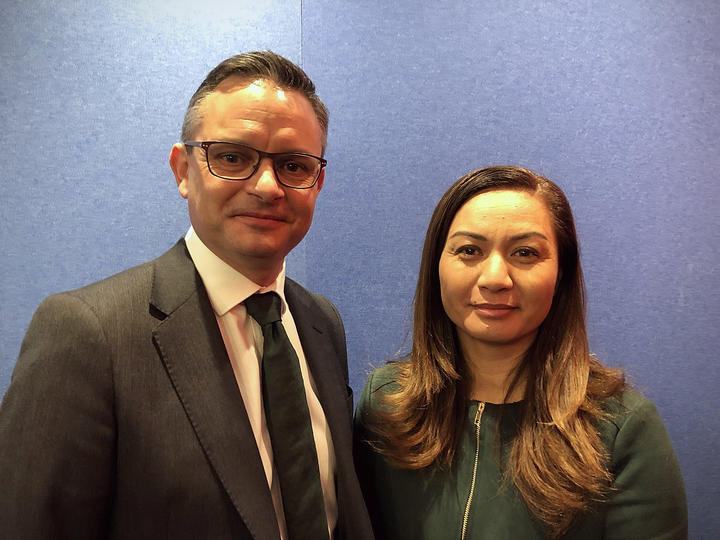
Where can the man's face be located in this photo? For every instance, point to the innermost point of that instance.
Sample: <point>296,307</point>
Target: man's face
<point>251,224</point>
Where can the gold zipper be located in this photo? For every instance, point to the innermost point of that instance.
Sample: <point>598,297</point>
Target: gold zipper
<point>478,419</point>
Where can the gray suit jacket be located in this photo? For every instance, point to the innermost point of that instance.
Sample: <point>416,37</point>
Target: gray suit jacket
<point>124,420</point>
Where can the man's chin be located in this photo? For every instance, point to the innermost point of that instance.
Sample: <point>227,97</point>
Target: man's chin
<point>260,253</point>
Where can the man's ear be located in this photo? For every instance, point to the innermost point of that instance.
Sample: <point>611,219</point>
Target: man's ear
<point>320,180</point>
<point>179,165</point>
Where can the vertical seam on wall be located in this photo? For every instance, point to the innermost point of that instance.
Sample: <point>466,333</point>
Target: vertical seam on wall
<point>301,34</point>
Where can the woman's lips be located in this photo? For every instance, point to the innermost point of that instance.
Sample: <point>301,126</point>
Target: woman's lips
<point>493,311</point>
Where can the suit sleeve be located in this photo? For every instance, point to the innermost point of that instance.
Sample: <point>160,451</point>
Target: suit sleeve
<point>57,429</point>
<point>649,501</point>
<point>366,459</point>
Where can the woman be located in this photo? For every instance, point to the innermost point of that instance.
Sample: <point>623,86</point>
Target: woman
<point>500,424</point>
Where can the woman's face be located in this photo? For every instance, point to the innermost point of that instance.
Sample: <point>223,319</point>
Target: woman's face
<point>499,268</point>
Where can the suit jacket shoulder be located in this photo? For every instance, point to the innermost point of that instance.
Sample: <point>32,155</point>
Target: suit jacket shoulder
<point>123,418</point>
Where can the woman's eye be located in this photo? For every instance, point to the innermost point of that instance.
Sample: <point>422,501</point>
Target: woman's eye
<point>526,252</point>
<point>467,251</point>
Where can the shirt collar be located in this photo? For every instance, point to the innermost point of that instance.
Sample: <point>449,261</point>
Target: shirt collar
<point>226,287</point>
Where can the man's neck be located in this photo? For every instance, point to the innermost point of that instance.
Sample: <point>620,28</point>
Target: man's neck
<point>258,270</point>
<point>262,277</point>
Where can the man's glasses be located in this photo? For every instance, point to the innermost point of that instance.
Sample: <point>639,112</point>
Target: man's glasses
<point>233,161</point>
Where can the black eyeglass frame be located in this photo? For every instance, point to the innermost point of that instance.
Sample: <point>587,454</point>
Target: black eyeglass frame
<point>206,144</point>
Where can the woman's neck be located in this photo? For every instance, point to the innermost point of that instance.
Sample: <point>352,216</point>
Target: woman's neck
<point>492,370</point>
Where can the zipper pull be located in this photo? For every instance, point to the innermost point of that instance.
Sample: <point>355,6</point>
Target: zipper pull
<point>479,413</point>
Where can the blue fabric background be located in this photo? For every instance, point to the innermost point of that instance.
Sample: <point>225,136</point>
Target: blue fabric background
<point>617,101</point>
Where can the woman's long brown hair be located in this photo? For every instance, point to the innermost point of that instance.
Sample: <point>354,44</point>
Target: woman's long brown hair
<point>557,460</point>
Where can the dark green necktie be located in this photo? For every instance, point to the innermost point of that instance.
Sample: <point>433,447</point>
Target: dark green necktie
<point>288,421</point>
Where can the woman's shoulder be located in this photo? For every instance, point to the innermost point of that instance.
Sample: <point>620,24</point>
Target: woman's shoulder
<point>631,419</point>
<point>386,377</point>
<point>626,404</point>
<point>648,498</point>
<point>382,380</point>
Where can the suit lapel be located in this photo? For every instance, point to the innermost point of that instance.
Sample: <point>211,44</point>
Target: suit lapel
<point>191,347</point>
<point>324,365</point>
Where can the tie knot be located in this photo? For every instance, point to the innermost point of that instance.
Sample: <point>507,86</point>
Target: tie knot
<point>264,308</point>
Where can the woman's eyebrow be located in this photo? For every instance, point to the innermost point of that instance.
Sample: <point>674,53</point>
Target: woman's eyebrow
<point>532,234</point>
<point>520,236</point>
<point>469,234</point>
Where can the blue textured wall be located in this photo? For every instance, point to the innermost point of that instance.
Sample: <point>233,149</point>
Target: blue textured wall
<point>617,101</point>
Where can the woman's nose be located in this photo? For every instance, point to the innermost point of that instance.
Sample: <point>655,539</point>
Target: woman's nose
<point>494,273</point>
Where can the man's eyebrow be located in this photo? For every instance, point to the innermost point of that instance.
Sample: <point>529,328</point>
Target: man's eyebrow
<point>481,238</point>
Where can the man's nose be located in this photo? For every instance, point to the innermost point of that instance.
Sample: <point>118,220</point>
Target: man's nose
<point>265,180</point>
<point>495,273</point>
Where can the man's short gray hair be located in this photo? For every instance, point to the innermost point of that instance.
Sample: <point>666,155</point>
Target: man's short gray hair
<point>264,65</point>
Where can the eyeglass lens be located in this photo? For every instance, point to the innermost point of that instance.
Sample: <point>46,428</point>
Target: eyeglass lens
<point>239,162</point>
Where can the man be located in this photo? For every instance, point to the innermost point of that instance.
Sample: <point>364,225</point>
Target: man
<point>140,405</point>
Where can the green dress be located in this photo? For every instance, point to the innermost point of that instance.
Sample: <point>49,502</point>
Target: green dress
<point>648,500</point>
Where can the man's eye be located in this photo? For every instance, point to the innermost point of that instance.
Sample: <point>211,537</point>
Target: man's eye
<point>229,158</point>
<point>294,167</point>
<point>230,155</point>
